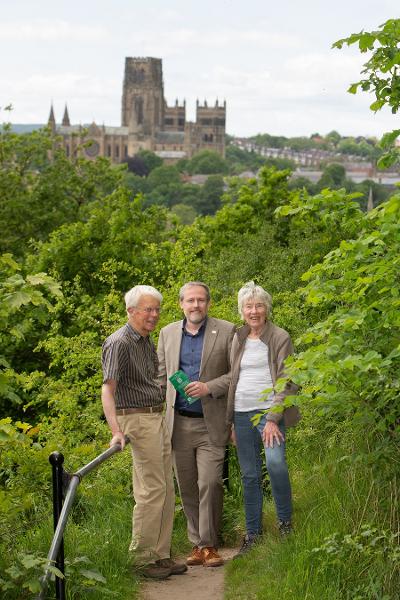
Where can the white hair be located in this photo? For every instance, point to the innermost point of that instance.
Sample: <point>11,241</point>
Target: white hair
<point>133,296</point>
<point>251,291</point>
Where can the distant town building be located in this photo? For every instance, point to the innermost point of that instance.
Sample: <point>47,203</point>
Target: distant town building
<point>147,122</point>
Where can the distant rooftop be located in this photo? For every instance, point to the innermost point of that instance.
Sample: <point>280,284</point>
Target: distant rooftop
<point>25,128</point>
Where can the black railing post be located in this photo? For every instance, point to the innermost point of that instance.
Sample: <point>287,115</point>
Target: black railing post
<point>56,460</point>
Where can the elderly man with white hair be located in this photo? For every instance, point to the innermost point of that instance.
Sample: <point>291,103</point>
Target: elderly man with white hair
<point>259,351</point>
<point>133,406</point>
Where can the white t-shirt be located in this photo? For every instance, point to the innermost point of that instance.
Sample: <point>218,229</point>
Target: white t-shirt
<point>254,378</point>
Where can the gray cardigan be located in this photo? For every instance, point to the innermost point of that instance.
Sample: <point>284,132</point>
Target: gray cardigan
<point>279,348</point>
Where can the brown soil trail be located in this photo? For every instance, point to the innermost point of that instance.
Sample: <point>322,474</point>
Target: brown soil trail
<point>209,581</point>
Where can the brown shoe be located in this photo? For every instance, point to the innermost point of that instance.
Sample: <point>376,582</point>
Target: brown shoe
<point>175,568</point>
<point>196,557</point>
<point>211,558</point>
<point>155,571</point>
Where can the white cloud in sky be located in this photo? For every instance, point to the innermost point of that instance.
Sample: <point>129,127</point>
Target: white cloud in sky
<point>47,30</point>
<point>172,42</point>
<point>273,63</point>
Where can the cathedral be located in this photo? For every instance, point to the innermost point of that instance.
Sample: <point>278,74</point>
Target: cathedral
<point>147,122</point>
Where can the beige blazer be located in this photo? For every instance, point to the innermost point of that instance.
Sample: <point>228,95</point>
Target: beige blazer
<point>214,370</point>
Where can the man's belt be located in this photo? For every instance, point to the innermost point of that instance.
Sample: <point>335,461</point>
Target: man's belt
<point>188,413</point>
<point>142,409</point>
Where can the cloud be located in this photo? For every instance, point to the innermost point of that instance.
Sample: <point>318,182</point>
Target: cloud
<point>46,30</point>
<point>167,43</point>
<point>87,97</point>
<point>301,79</point>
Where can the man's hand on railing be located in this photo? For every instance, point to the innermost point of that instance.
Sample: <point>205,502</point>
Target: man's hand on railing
<point>118,438</point>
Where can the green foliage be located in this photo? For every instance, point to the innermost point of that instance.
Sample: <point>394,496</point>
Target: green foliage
<point>240,160</point>
<point>117,232</point>
<point>391,152</point>
<point>333,273</point>
<point>382,67</point>
<point>348,370</point>
<point>186,214</point>
<point>336,500</point>
<point>333,177</point>
<point>37,179</point>
<point>206,162</point>
<point>209,200</point>
<point>382,75</point>
<point>359,553</point>
<point>150,159</point>
<point>23,578</point>
<point>164,175</point>
<point>26,304</point>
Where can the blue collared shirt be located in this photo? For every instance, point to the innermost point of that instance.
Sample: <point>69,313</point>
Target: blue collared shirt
<point>189,363</point>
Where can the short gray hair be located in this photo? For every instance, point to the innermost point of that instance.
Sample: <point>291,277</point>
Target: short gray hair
<point>254,292</point>
<point>132,297</point>
<point>192,284</point>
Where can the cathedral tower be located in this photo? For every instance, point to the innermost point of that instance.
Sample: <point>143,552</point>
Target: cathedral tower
<point>143,96</point>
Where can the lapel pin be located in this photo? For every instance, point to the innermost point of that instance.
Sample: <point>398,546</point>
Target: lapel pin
<point>213,331</point>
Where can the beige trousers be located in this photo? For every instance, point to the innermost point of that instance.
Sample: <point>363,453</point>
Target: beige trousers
<point>153,486</point>
<point>199,469</point>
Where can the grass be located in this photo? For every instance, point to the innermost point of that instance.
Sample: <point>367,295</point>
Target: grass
<point>331,556</point>
<point>96,540</point>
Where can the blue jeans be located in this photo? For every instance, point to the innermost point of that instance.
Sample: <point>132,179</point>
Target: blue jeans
<point>248,443</point>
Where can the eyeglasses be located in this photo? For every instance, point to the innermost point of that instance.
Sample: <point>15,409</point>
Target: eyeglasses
<point>149,309</point>
<point>249,307</point>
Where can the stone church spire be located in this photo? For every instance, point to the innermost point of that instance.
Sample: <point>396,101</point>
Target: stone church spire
<point>52,121</point>
<point>66,121</point>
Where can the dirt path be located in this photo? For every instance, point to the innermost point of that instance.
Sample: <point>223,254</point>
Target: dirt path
<point>207,580</point>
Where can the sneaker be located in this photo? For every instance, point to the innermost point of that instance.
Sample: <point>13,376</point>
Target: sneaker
<point>155,571</point>
<point>285,527</point>
<point>195,557</point>
<point>211,558</point>
<point>175,568</point>
<point>248,542</point>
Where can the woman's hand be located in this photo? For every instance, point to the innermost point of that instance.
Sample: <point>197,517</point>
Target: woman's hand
<point>271,433</point>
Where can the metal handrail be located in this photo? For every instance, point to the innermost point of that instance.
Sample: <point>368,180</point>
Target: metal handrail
<point>57,543</point>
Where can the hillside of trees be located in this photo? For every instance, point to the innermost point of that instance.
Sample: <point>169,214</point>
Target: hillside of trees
<point>171,186</point>
<point>76,235</point>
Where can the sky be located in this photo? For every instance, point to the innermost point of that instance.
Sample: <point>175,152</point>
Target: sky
<point>271,61</point>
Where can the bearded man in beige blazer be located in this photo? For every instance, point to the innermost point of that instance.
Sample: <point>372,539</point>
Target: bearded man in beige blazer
<point>200,346</point>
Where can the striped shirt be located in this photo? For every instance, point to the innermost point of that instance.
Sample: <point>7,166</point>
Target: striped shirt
<point>131,360</point>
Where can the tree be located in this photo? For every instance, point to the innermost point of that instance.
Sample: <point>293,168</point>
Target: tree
<point>150,159</point>
<point>210,195</point>
<point>143,163</point>
<point>186,214</point>
<point>333,176</point>
<point>207,162</point>
<point>41,188</point>
<point>298,183</point>
<point>241,160</point>
<point>26,302</point>
<point>163,175</point>
<point>382,76</point>
<point>333,137</point>
<point>137,166</point>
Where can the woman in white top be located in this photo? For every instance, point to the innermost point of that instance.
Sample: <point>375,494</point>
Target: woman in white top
<point>259,350</point>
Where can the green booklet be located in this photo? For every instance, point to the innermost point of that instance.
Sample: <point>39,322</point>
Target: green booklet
<point>180,380</point>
